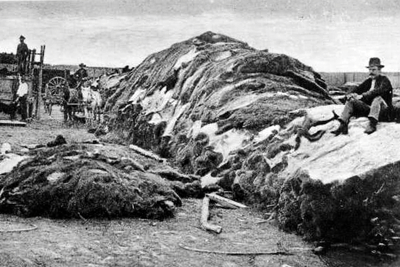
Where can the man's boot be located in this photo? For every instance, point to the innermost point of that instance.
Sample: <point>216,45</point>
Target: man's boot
<point>371,126</point>
<point>343,128</point>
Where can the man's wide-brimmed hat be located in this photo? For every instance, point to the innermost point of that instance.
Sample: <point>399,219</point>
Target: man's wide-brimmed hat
<point>375,62</point>
<point>82,65</point>
<point>22,37</point>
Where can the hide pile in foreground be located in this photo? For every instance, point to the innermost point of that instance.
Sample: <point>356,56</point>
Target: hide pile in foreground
<point>86,180</point>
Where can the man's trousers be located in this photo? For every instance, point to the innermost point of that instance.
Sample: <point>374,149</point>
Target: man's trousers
<point>358,108</point>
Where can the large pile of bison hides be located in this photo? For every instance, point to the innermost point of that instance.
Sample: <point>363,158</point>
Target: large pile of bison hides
<point>83,180</point>
<point>252,120</point>
<point>211,83</point>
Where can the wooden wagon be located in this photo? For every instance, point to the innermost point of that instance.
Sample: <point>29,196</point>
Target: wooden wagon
<point>9,83</point>
<point>41,82</point>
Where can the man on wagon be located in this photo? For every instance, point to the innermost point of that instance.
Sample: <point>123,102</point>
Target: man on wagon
<point>22,55</point>
<point>81,74</point>
<point>372,98</point>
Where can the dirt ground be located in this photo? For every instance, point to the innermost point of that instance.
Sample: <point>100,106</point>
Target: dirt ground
<point>139,242</point>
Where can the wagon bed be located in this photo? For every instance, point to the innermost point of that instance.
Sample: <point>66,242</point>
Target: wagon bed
<point>9,86</point>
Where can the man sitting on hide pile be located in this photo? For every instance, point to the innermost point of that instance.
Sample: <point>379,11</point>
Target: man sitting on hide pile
<point>372,98</point>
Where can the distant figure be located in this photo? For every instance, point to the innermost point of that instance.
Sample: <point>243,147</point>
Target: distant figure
<point>65,100</point>
<point>22,94</point>
<point>22,55</point>
<point>48,100</point>
<point>372,98</point>
<point>81,74</point>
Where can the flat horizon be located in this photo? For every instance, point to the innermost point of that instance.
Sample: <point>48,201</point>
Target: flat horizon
<point>328,35</point>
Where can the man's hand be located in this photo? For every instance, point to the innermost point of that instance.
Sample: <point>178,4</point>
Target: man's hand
<point>354,96</point>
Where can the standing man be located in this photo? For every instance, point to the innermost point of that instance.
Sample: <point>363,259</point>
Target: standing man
<point>22,55</point>
<point>372,98</point>
<point>66,96</point>
<point>22,94</point>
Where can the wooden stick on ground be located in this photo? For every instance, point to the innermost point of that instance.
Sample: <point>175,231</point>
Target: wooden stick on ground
<point>173,175</point>
<point>12,123</point>
<point>236,253</point>
<point>204,218</point>
<point>225,201</point>
<point>83,218</point>
<point>146,153</point>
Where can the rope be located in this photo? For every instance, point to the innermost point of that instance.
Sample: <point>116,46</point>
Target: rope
<point>34,227</point>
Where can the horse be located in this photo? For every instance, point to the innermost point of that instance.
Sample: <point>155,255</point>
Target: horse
<point>48,105</point>
<point>54,98</point>
<point>82,98</point>
<point>71,102</point>
<point>48,102</point>
<point>92,102</point>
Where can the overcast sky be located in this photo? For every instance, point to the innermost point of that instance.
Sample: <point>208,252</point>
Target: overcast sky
<point>329,35</point>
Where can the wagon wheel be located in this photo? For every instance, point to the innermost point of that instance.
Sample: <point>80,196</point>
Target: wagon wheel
<point>54,85</point>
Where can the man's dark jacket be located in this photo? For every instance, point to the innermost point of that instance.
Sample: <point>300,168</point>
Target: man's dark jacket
<point>22,51</point>
<point>383,88</point>
<point>80,74</point>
